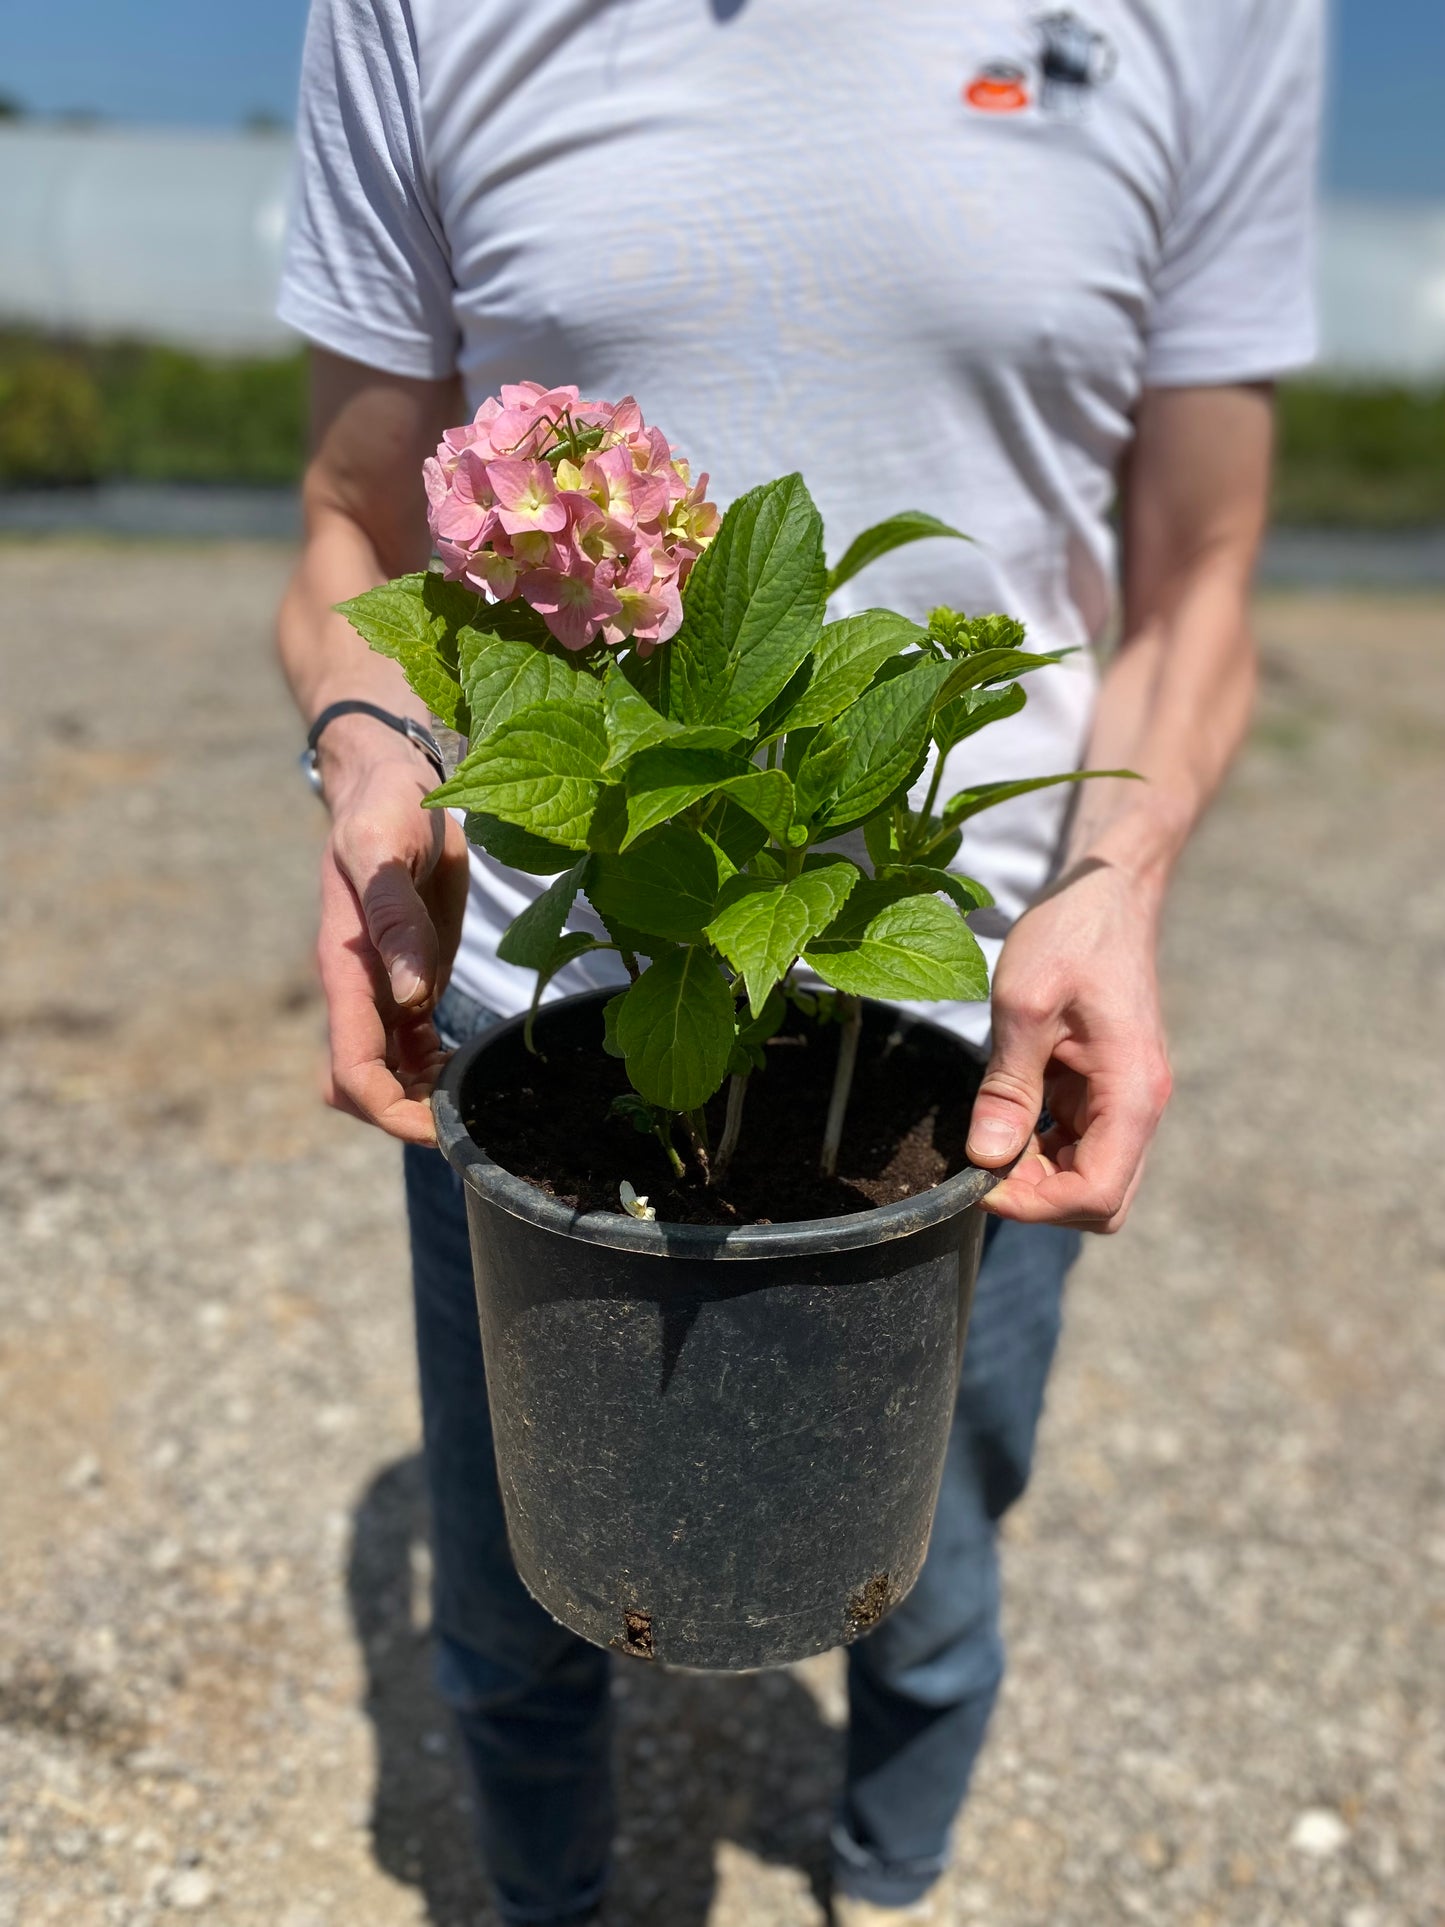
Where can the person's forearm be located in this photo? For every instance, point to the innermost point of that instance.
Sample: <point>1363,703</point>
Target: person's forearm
<point>1174,706</point>
<point>324,659</point>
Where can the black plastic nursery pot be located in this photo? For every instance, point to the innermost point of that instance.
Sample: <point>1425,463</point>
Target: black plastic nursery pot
<point>718,1447</point>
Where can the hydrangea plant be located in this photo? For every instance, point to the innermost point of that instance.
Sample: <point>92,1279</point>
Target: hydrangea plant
<point>660,718</point>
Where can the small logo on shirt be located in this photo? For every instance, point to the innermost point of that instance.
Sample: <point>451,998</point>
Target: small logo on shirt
<point>1070,60</point>
<point>999,88</point>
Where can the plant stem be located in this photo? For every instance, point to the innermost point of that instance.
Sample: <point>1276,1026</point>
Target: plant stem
<point>732,1126</point>
<point>850,1010</point>
<point>695,1125</point>
<point>663,1131</point>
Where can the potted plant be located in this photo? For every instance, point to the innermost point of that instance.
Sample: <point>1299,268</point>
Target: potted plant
<point>720,1416</point>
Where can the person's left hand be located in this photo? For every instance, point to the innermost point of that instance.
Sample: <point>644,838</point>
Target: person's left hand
<point>1076,1027</point>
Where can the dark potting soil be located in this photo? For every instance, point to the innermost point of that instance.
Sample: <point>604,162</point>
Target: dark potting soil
<point>546,1119</point>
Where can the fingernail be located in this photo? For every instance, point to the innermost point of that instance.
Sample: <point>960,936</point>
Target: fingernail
<point>406,981</point>
<point>990,1138</point>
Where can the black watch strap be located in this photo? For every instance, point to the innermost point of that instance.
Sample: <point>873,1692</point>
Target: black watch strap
<point>406,726</point>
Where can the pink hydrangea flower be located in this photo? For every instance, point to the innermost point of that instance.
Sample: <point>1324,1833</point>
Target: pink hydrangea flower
<point>578,507</point>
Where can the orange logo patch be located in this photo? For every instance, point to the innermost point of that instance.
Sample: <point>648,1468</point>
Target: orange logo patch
<point>998,89</point>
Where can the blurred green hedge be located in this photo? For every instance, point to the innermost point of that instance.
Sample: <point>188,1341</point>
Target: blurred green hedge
<point>79,412</point>
<point>87,412</point>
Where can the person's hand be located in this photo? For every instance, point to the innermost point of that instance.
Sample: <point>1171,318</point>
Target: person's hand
<point>1076,1027</point>
<point>393,890</point>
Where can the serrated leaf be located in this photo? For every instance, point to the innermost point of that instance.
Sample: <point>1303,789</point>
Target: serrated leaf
<point>766,794</point>
<point>767,1022</point>
<point>501,676</point>
<point>848,656</point>
<point>921,878</point>
<point>826,883</point>
<point>608,829</point>
<point>518,849</point>
<point>763,923</point>
<point>666,886</point>
<point>397,621</point>
<point>738,835</point>
<point>532,935</point>
<point>989,666</point>
<point>610,1012</point>
<point>912,525</point>
<point>886,733</point>
<point>893,947</point>
<point>632,722</point>
<point>675,1027</point>
<point>818,776</point>
<point>984,796</point>
<point>752,609</point>
<point>568,948</point>
<point>540,770</point>
<point>662,782</point>
<point>975,709</point>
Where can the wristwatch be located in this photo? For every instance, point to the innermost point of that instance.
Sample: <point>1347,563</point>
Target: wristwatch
<point>406,726</point>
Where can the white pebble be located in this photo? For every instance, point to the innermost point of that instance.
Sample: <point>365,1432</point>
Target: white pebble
<point>1319,1833</point>
<point>189,1890</point>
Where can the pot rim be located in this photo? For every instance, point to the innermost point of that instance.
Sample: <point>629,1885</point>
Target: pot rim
<point>652,1239</point>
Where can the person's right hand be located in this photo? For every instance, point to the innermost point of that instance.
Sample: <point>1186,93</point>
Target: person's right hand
<point>393,890</point>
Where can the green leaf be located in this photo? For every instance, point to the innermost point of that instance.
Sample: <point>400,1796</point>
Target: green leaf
<point>568,948</point>
<point>766,1024</point>
<point>608,829</point>
<point>999,665</point>
<point>752,609</point>
<point>818,776</point>
<point>611,1011</point>
<point>666,886</point>
<point>737,834</point>
<point>518,849</point>
<point>675,1027</point>
<point>400,620</point>
<point>632,722</point>
<point>922,878</point>
<point>974,710</point>
<point>913,525</point>
<point>848,656</point>
<point>766,794</point>
<point>826,883</point>
<point>886,733</point>
<point>532,935</point>
<point>984,796</point>
<point>540,770</point>
<point>895,947</point>
<point>663,781</point>
<point>762,923</point>
<point>501,676</point>
<point>760,927</point>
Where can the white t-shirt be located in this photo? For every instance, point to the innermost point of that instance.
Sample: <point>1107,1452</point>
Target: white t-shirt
<point>927,253</point>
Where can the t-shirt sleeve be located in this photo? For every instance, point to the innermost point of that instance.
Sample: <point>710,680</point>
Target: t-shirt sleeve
<point>1234,290</point>
<point>366,271</point>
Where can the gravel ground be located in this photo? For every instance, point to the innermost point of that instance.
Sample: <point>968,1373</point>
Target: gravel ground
<point>1227,1588</point>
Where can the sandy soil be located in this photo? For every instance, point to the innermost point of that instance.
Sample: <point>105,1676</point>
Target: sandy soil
<point>1227,1588</point>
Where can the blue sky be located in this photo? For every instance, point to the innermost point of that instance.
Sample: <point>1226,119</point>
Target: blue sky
<point>186,61</point>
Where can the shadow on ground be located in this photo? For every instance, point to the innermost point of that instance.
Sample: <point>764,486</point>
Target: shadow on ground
<point>701,1758</point>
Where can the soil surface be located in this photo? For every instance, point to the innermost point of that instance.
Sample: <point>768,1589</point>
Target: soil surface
<point>549,1119</point>
<point>1224,1593</point>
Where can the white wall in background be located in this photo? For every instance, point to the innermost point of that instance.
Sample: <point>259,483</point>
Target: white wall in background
<point>176,236</point>
<point>164,236</point>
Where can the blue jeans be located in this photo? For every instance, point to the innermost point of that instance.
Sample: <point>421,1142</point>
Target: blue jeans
<point>532,1699</point>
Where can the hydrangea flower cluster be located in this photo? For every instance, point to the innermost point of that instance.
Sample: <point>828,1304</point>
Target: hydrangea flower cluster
<point>578,507</point>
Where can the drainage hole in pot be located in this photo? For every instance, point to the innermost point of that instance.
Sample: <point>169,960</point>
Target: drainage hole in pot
<point>637,1635</point>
